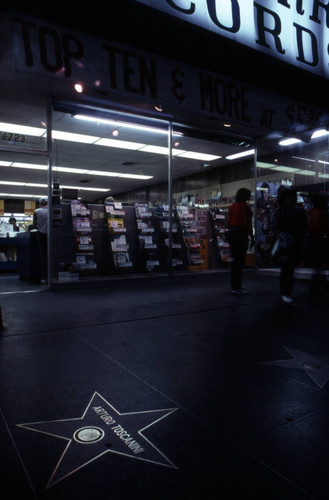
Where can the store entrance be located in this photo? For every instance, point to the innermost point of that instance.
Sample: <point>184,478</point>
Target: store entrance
<point>141,196</point>
<point>288,162</point>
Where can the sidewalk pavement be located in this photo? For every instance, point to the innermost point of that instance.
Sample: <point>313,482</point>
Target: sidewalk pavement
<point>154,388</point>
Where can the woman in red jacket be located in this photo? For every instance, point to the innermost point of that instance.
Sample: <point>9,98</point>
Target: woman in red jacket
<point>240,228</point>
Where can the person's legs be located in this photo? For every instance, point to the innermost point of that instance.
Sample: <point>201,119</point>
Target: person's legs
<point>287,276</point>
<point>238,243</point>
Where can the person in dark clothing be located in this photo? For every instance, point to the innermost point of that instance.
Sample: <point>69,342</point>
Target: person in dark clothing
<point>240,228</point>
<point>289,220</point>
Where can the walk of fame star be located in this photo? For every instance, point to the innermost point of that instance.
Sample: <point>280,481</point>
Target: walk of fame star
<point>102,429</point>
<point>316,367</point>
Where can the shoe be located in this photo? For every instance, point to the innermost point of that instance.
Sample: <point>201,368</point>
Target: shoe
<point>287,300</point>
<point>239,291</point>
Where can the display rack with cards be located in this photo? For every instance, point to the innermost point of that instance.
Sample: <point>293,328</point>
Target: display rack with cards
<point>115,215</point>
<point>194,224</point>
<point>83,238</point>
<point>219,225</point>
<point>150,246</point>
<point>179,254</point>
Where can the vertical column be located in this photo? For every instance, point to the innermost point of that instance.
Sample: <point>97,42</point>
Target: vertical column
<point>170,200</point>
<point>50,186</point>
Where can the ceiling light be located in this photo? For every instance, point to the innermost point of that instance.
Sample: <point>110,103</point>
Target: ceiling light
<point>117,174</point>
<point>113,143</point>
<point>75,170</point>
<point>240,155</point>
<point>319,133</point>
<point>102,190</point>
<point>118,123</point>
<point>100,172</point>
<point>289,142</point>
<point>306,172</point>
<point>198,156</point>
<point>68,136</point>
<point>135,176</point>
<point>31,166</point>
<point>70,170</point>
<point>280,168</point>
<point>12,183</point>
<point>21,129</point>
<point>26,196</point>
<point>155,149</point>
<point>78,87</point>
<point>32,184</point>
<point>286,169</point>
<point>261,164</point>
<point>304,159</point>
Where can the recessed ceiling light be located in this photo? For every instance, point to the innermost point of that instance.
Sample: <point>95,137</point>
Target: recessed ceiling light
<point>289,142</point>
<point>198,156</point>
<point>240,155</point>
<point>78,87</point>
<point>113,143</point>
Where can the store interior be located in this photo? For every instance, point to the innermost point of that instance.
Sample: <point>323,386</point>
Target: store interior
<point>112,169</point>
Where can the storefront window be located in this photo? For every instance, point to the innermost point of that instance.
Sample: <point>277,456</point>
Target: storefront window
<point>293,163</point>
<point>23,180</point>
<point>204,186</point>
<point>111,207</point>
<point>111,179</point>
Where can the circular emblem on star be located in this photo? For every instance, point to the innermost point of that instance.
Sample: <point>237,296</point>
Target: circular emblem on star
<point>88,435</point>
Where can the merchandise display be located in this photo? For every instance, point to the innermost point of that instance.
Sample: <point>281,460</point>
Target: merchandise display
<point>82,233</point>
<point>116,223</point>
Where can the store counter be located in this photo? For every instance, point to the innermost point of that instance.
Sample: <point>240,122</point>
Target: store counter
<point>28,260</point>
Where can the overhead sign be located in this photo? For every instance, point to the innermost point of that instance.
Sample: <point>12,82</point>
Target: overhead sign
<point>60,59</point>
<point>295,31</point>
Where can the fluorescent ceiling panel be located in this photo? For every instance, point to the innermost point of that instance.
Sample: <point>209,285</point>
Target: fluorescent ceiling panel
<point>68,136</point>
<point>261,164</point>
<point>285,169</point>
<point>17,195</point>
<point>32,184</point>
<point>198,156</point>
<point>319,133</point>
<point>22,129</point>
<point>289,142</point>
<point>154,149</point>
<point>116,143</point>
<point>115,123</point>
<point>306,172</point>
<point>240,155</point>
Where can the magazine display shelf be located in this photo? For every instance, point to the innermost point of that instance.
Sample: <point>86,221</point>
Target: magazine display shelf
<point>218,217</point>
<point>150,244</point>
<point>194,228</point>
<point>83,239</point>
<point>179,254</point>
<point>115,215</point>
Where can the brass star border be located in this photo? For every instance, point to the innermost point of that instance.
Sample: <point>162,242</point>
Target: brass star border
<point>316,367</point>
<point>102,429</point>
